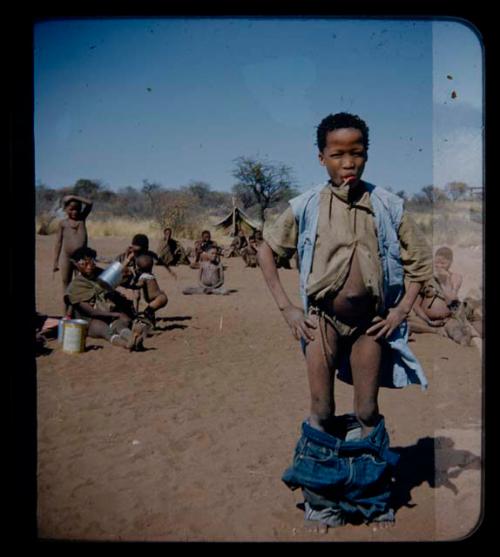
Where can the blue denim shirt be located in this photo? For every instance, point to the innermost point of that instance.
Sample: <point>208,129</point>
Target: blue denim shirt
<point>388,211</point>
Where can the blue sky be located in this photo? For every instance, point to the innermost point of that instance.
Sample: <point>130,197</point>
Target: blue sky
<point>176,100</point>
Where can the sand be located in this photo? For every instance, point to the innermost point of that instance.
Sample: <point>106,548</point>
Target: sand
<point>187,441</point>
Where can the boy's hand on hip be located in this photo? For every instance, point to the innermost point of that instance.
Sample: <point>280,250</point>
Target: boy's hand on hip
<point>385,327</point>
<point>298,323</point>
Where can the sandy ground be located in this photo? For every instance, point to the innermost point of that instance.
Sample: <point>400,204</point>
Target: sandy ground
<point>188,440</point>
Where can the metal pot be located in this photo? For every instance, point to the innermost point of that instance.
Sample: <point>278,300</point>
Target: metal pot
<point>111,276</point>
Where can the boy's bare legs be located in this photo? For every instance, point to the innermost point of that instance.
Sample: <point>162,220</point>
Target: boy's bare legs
<point>100,329</point>
<point>321,354</point>
<point>66,269</point>
<point>365,359</point>
<point>156,299</point>
<point>159,302</point>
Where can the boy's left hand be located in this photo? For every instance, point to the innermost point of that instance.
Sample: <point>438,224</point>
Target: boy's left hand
<point>385,327</point>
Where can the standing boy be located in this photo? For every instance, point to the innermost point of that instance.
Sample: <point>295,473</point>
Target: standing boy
<point>71,235</point>
<point>355,244</point>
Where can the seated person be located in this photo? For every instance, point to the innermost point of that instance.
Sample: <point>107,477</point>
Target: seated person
<point>138,246</point>
<point>108,313</point>
<point>170,251</point>
<point>239,243</point>
<point>474,311</point>
<point>201,247</point>
<point>146,281</point>
<point>211,277</point>
<point>437,308</point>
<point>249,252</point>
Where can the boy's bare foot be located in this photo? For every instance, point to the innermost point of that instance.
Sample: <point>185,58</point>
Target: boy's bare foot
<point>117,340</point>
<point>384,521</point>
<point>319,520</point>
<point>139,333</point>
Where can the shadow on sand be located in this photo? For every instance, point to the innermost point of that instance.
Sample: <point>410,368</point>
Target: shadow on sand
<point>431,460</point>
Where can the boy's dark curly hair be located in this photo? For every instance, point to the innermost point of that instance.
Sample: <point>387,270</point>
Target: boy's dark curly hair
<point>338,121</point>
<point>83,253</point>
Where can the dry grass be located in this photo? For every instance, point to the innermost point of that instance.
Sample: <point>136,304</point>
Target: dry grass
<point>127,227</point>
<point>454,224</point>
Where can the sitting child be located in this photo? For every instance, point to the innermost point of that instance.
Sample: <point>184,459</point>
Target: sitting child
<point>239,243</point>
<point>438,308</point>
<point>108,313</point>
<point>211,277</point>
<point>146,281</point>
<point>170,251</point>
<point>249,253</point>
<point>200,248</point>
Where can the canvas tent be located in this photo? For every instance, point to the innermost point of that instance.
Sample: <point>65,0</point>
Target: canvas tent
<point>237,220</point>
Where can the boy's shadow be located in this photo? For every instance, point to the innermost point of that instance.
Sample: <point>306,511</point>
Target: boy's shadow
<point>174,325</point>
<point>92,347</point>
<point>170,327</point>
<point>174,318</point>
<point>418,464</point>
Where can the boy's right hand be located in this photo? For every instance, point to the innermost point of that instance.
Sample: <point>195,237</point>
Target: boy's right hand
<point>298,323</point>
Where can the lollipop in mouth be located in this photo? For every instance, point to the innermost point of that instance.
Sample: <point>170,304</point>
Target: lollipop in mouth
<point>349,179</point>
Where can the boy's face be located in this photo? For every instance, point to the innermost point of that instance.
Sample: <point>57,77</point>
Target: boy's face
<point>86,266</point>
<point>205,236</point>
<point>212,255</point>
<point>441,263</point>
<point>136,249</point>
<point>344,155</point>
<point>73,209</point>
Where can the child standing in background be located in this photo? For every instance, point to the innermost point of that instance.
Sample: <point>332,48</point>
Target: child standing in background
<point>71,235</point>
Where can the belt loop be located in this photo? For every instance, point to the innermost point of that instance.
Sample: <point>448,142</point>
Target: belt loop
<point>338,442</point>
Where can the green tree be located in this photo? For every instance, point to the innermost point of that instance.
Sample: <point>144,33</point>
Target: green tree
<point>262,183</point>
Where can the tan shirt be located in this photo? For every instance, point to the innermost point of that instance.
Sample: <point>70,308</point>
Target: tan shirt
<point>345,229</point>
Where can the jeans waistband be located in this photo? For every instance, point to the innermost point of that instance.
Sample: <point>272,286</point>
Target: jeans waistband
<point>372,443</point>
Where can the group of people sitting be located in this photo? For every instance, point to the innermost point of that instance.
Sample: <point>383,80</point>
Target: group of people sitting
<point>112,315</point>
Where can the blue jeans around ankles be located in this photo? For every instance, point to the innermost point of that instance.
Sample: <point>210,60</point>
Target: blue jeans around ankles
<point>354,475</point>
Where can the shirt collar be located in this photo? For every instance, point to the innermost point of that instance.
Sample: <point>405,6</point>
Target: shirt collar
<point>363,200</point>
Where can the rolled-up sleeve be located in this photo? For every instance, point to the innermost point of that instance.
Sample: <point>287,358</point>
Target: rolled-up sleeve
<point>416,254</point>
<point>283,234</point>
